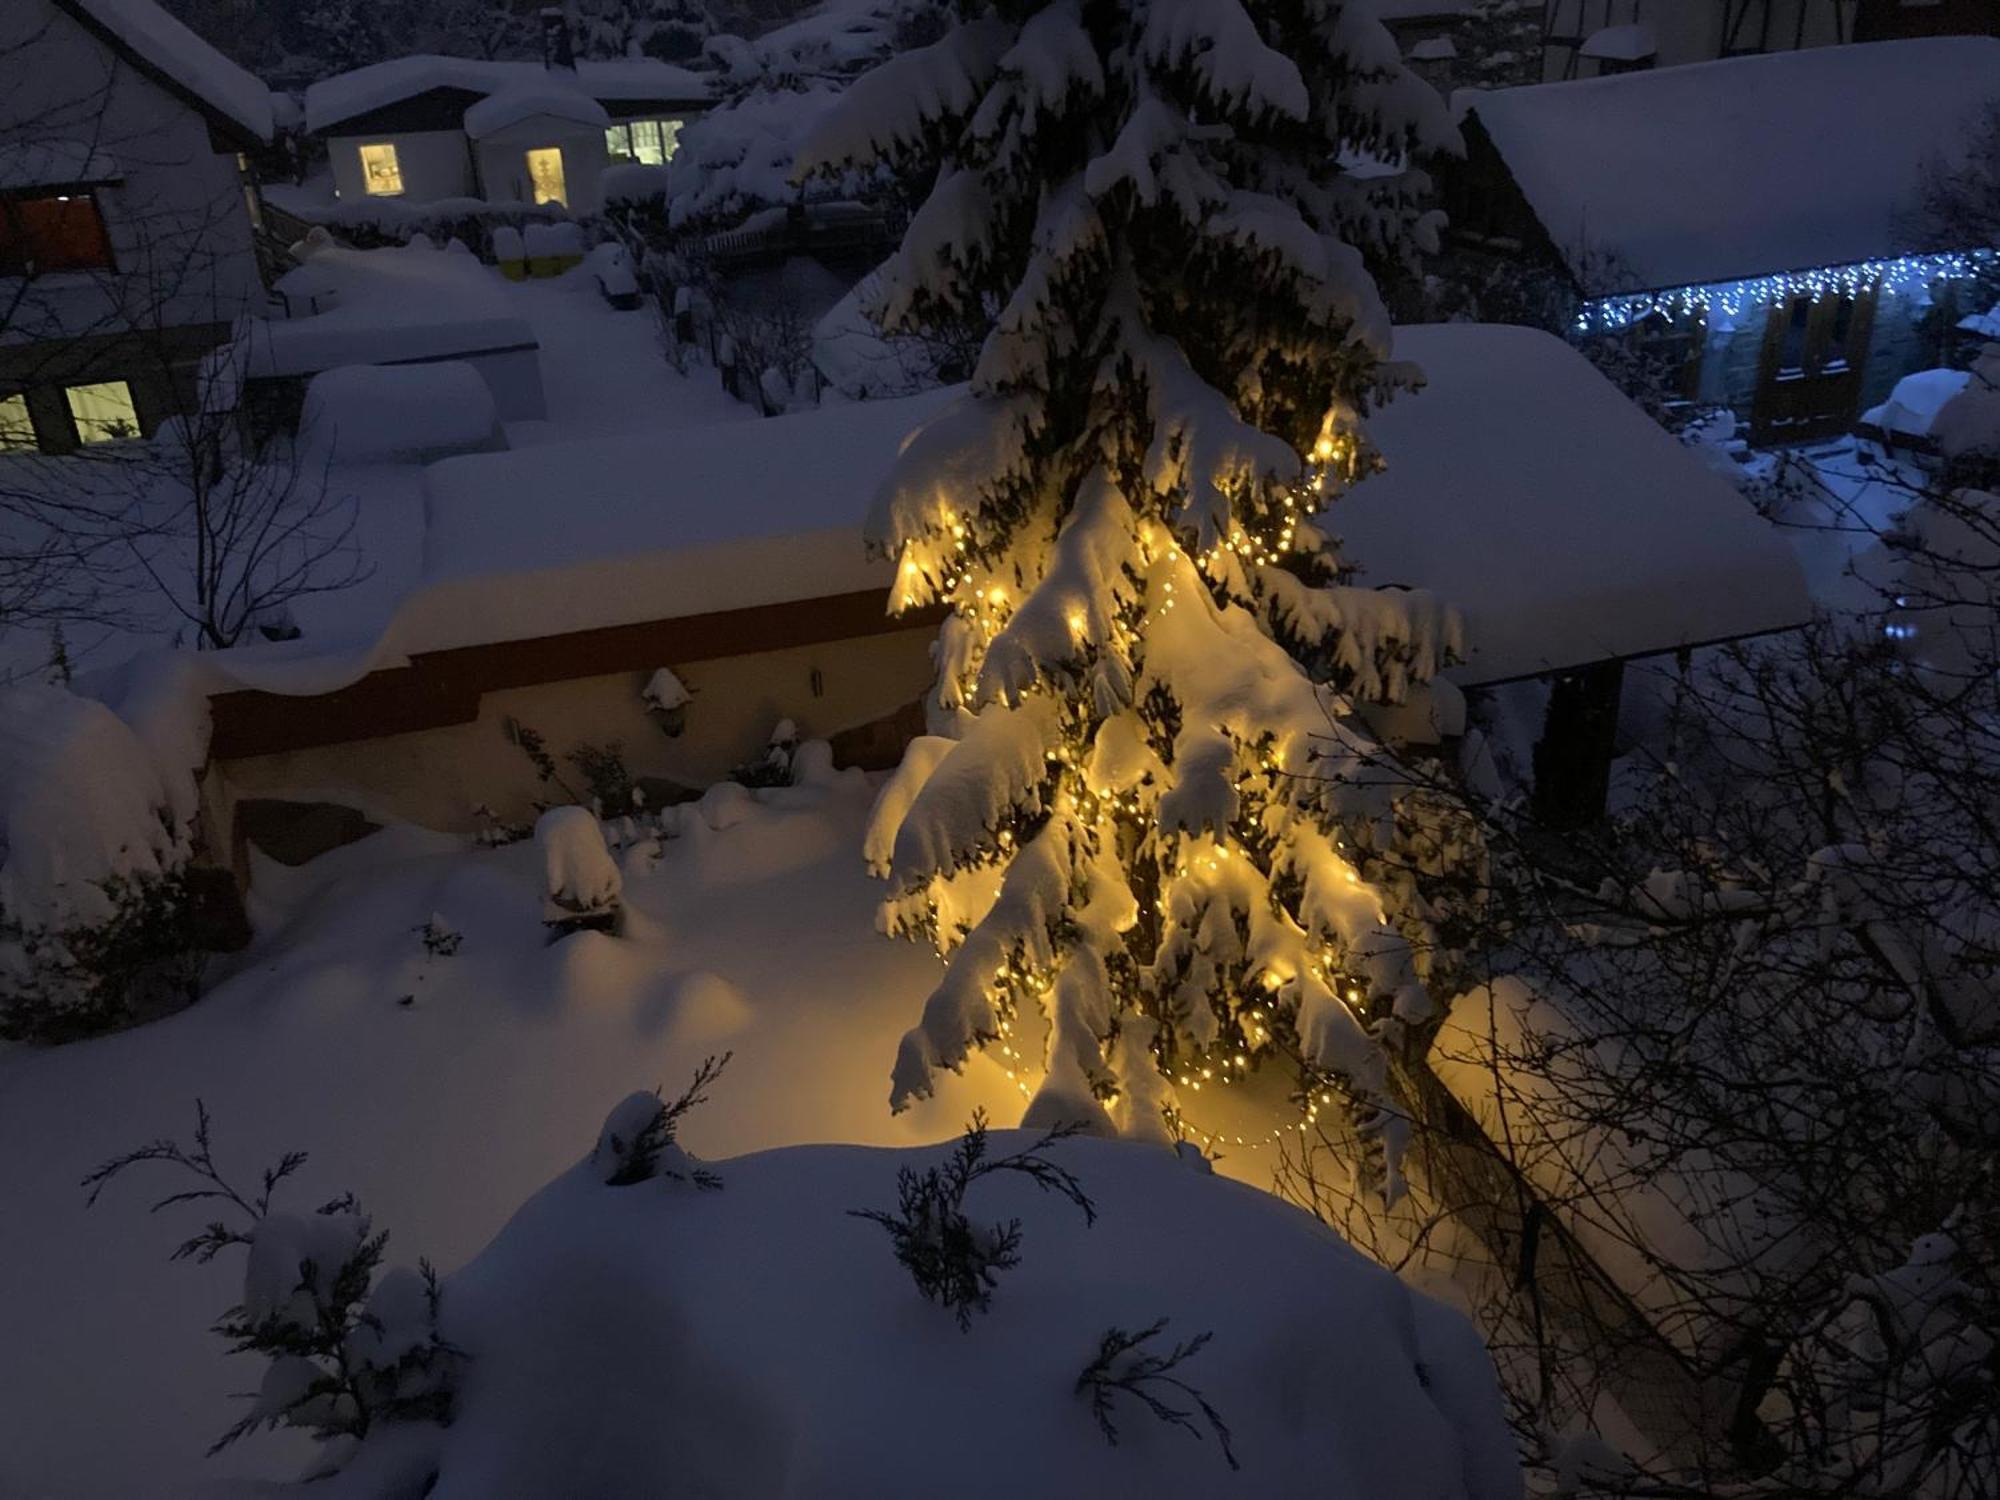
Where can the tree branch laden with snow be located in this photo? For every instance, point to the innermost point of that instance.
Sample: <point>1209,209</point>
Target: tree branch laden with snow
<point>1146,818</point>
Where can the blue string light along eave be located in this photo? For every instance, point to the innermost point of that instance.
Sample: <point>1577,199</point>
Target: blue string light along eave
<point>1730,298</point>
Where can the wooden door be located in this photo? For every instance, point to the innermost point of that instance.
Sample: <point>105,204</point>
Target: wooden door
<point>1809,379</point>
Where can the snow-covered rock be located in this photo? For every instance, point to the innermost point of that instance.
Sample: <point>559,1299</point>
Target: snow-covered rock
<point>762,1341</point>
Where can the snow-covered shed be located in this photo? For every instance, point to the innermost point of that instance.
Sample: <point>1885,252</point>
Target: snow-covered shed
<point>402,305</point>
<point>419,129</point>
<point>127,241</point>
<point>556,579</point>
<point>1744,218</point>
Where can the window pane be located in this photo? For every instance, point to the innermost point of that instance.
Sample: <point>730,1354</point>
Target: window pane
<point>646,142</point>
<point>381,173</point>
<point>16,430</point>
<point>670,138</point>
<point>545,175</point>
<point>103,413</point>
<point>618,142</point>
<point>1792,352</point>
<point>60,232</point>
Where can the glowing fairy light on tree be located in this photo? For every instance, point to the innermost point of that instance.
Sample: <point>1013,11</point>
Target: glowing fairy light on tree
<point>1146,830</point>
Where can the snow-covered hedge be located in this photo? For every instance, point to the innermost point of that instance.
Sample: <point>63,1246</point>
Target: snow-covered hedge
<point>630,1334</point>
<point>92,868</point>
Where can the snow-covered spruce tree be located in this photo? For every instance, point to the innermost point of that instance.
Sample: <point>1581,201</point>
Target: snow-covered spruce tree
<point>1145,812</point>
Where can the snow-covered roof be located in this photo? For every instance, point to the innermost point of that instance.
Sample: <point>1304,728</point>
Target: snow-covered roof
<point>1566,525</point>
<point>577,536</point>
<point>153,39</point>
<point>548,97</point>
<point>1629,43</point>
<point>1521,487</point>
<point>388,305</point>
<point>1724,170</point>
<point>364,90</point>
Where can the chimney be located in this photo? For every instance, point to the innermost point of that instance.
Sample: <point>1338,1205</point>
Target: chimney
<point>557,52</point>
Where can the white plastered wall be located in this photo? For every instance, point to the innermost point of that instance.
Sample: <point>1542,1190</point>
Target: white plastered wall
<point>436,777</point>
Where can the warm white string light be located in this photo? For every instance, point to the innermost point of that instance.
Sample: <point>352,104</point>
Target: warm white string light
<point>1901,274</point>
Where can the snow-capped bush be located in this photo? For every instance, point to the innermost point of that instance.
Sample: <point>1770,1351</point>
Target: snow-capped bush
<point>955,1262</point>
<point>349,1351</point>
<point>96,913</point>
<point>582,888</point>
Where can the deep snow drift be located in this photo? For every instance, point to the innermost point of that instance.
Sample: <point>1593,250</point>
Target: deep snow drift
<point>760,1341</point>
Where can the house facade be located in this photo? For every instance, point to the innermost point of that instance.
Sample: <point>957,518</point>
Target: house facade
<point>1742,220</point>
<point>1592,38</point>
<point>127,217</point>
<point>423,129</point>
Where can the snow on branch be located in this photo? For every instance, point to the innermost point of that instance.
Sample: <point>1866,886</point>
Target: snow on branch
<point>906,99</point>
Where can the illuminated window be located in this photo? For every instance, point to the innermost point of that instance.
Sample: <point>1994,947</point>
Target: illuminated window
<point>651,142</point>
<point>17,430</point>
<point>381,173</point>
<point>52,232</point>
<point>545,175</point>
<point>104,412</point>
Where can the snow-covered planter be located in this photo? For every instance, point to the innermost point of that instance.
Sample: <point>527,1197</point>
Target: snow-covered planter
<point>96,917</point>
<point>582,889</point>
<point>637,1337</point>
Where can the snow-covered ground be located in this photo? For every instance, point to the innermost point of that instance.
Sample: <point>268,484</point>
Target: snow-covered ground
<point>444,1114</point>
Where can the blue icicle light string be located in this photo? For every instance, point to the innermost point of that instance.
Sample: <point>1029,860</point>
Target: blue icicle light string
<point>1730,298</point>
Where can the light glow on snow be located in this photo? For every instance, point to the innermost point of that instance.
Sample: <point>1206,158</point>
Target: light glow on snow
<point>1903,274</point>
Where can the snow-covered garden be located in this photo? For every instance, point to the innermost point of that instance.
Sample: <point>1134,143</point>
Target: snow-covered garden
<point>883,748</point>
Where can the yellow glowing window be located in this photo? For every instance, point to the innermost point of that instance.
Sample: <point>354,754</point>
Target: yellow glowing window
<point>545,175</point>
<point>17,430</point>
<point>381,173</point>
<point>104,412</point>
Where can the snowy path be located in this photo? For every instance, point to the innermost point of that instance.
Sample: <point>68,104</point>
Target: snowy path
<point>603,370</point>
<point>442,1116</point>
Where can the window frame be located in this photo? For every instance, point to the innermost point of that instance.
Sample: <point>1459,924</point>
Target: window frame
<point>34,443</point>
<point>27,266</point>
<point>77,420</point>
<point>368,187</point>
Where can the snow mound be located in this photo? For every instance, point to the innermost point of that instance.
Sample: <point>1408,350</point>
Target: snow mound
<point>404,413</point>
<point>760,1340</point>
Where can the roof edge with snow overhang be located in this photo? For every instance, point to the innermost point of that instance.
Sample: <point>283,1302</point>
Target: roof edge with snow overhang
<point>1724,171</point>
<point>173,56</point>
<point>363,92</point>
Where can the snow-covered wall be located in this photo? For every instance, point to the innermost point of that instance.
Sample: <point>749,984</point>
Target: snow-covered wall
<point>436,777</point>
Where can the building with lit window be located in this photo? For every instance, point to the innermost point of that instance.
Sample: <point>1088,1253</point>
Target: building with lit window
<point>127,216</point>
<point>1748,221</point>
<point>423,129</point>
